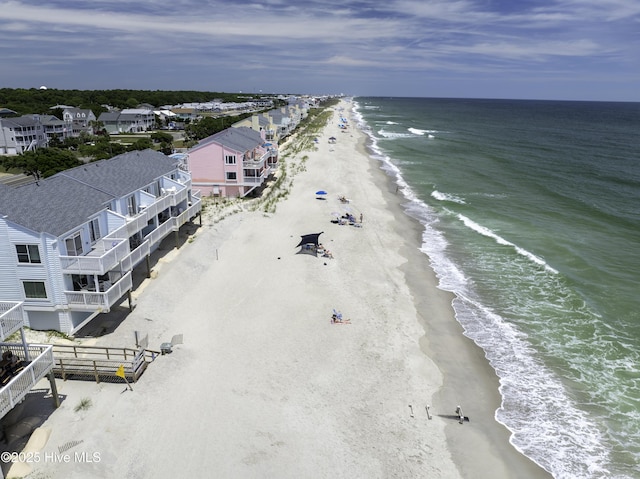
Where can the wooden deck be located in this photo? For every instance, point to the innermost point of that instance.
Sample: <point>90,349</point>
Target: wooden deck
<point>98,363</point>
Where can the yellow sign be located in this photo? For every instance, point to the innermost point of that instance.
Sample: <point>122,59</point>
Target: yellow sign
<point>120,372</point>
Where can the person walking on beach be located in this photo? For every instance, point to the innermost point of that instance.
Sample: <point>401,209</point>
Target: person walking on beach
<point>361,217</point>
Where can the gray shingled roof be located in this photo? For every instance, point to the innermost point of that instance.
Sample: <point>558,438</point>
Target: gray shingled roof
<point>240,139</point>
<point>109,116</point>
<point>21,121</point>
<point>60,203</point>
<point>263,120</point>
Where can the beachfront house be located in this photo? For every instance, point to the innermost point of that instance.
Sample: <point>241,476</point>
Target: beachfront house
<point>263,124</point>
<point>276,124</point>
<point>69,243</point>
<point>297,111</point>
<point>284,121</point>
<point>232,163</point>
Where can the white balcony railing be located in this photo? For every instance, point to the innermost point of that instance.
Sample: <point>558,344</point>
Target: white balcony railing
<point>183,217</point>
<point>137,223</point>
<point>41,362</point>
<point>256,163</point>
<point>156,207</point>
<point>108,252</point>
<point>11,318</point>
<point>104,256</point>
<point>136,256</point>
<point>178,196</point>
<point>159,233</point>
<point>99,300</point>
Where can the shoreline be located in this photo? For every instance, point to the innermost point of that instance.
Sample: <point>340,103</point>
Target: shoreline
<point>467,373</point>
<point>264,384</point>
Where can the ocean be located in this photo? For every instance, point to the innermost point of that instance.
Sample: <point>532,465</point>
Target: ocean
<point>531,214</point>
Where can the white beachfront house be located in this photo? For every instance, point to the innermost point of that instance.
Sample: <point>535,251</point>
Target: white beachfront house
<point>69,243</point>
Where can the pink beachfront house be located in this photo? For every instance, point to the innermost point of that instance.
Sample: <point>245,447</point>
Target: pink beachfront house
<point>232,163</point>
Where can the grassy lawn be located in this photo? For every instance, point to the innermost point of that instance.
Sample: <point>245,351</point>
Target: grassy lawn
<point>129,138</point>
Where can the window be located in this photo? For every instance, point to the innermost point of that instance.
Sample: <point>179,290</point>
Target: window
<point>28,253</point>
<point>232,175</point>
<point>74,244</point>
<point>229,159</point>
<point>34,289</point>
<point>94,230</point>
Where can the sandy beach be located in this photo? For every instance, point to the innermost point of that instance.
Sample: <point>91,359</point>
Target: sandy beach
<point>264,384</point>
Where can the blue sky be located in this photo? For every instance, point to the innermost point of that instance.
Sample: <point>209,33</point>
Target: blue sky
<point>529,49</point>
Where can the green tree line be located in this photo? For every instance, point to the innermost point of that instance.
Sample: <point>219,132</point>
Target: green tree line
<point>33,100</point>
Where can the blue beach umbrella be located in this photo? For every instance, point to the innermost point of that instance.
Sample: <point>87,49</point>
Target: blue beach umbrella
<point>321,192</point>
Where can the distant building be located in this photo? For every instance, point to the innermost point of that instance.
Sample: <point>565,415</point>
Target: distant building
<point>79,120</point>
<point>187,113</point>
<point>5,112</point>
<point>55,127</point>
<point>20,134</point>
<point>130,120</point>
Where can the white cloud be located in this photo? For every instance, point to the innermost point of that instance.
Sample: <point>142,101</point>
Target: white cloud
<point>379,38</point>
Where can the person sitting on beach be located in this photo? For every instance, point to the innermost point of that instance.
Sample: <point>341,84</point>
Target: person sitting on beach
<point>337,318</point>
<point>328,254</point>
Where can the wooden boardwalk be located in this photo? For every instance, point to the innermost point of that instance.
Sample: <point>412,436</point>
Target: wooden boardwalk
<point>100,363</point>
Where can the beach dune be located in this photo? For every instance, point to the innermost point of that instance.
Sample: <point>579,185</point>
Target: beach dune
<point>265,384</point>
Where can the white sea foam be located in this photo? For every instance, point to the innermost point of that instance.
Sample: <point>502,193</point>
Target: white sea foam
<point>393,135</point>
<point>535,405</point>
<point>391,123</point>
<point>500,240</point>
<point>447,197</point>
<point>546,423</point>
<point>418,132</point>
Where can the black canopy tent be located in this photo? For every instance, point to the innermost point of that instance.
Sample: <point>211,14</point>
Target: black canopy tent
<point>309,243</point>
